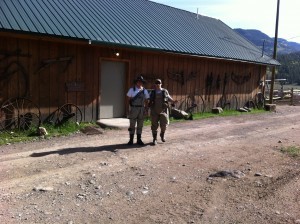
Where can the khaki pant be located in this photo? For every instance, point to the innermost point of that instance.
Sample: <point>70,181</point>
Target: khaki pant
<point>136,116</point>
<point>161,120</point>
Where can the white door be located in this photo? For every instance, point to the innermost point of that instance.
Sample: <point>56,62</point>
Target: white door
<point>112,92</point>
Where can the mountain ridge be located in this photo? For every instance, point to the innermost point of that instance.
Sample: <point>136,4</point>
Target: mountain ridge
<point>266,43</point>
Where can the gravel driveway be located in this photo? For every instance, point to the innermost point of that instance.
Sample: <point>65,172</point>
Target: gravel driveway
<point>216,170</point>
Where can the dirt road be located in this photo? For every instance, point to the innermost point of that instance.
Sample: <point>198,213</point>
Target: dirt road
<point>219,170</point>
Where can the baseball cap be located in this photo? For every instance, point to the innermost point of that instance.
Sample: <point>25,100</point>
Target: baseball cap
<point>157,81</point>
<point>140,78</point>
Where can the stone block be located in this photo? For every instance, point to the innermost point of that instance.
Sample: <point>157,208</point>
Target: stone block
<point>270,107</point>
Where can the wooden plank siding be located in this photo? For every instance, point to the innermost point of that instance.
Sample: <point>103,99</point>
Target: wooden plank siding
<point>182,75</point>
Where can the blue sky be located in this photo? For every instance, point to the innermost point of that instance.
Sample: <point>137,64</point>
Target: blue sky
<point>248,14</point>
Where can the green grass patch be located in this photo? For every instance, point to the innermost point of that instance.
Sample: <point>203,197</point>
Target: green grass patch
<point>32,135</point>
<point>13,137</point>
<point>226,113</point>
<point>293,151</point>
<point>197,116</point>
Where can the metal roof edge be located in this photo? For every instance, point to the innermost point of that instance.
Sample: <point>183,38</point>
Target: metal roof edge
<point>45,35</point>
<point>227,59</point>
<point>179,53</point>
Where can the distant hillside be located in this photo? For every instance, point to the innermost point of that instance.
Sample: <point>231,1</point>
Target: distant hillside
<point>288,53</point>
<point>259,38</point>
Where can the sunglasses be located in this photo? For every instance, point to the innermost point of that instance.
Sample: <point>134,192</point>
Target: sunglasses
<point>157,83</point>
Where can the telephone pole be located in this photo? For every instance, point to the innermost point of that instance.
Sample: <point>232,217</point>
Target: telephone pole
<point>274,54</point>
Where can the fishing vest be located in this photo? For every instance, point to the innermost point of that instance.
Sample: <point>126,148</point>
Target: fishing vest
<point>139,99</point>
<point>153,97</point>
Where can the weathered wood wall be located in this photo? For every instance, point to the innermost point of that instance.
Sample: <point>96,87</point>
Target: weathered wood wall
<point>40,69</point>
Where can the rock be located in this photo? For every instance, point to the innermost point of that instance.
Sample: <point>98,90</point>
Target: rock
<point>81,196</point>
<point>42,131</point>
<point>39,188</point>
<point>103,164</point>
<point>248,109</point>
<point>242,109</point>
<point>129,193</point>
<point>217,110</point>
<point>92,182</point>
<point>179,114</point>
<point>258,184</point>
<point>270,107</point>
<point>226,173</point>
<point>145,191</point>
<point>92,130</point>
<point>173,179</point>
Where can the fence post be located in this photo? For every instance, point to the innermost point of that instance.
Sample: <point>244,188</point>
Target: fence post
<point>292,96</point>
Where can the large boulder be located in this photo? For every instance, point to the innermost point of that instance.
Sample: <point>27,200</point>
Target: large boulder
<point>179,114</point>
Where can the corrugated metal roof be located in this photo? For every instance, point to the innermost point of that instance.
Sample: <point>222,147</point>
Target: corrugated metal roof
<point>135,23</point>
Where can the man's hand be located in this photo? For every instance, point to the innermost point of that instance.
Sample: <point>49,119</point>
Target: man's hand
<point>174,102</point>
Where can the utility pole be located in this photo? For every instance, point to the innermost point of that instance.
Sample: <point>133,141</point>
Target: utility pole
<point>274,54</point>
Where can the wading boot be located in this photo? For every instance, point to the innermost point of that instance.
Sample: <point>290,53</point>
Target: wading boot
<point>130,139</point>
<point>154,138</point>
<point>162,136</point>
<point>139,140</point>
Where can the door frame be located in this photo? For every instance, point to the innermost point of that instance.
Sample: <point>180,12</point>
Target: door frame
<point>126,84</point>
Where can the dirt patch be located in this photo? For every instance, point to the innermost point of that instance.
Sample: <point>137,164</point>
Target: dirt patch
<point>219,170</point>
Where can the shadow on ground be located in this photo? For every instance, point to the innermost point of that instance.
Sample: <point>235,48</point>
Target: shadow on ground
<point>110,148</point>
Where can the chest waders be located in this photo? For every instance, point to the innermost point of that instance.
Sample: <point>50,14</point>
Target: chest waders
<point>159,114</point>
<point>136,116</point>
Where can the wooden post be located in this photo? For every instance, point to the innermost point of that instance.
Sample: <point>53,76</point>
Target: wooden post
<point>292,96</point>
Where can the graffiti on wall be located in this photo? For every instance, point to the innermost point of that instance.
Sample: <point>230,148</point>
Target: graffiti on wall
<point>13,74</point>
<point>48,62</point>
<point>180,76</point>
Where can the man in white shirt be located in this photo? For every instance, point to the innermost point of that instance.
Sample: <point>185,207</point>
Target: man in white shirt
<point>138,98</point>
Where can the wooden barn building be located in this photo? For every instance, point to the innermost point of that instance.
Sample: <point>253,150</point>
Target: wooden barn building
<point>89,52</point>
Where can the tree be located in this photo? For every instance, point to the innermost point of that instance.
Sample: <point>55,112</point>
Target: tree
<point>290,67</point>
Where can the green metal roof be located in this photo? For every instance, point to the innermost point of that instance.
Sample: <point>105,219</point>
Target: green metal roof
<point>134,23</point>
